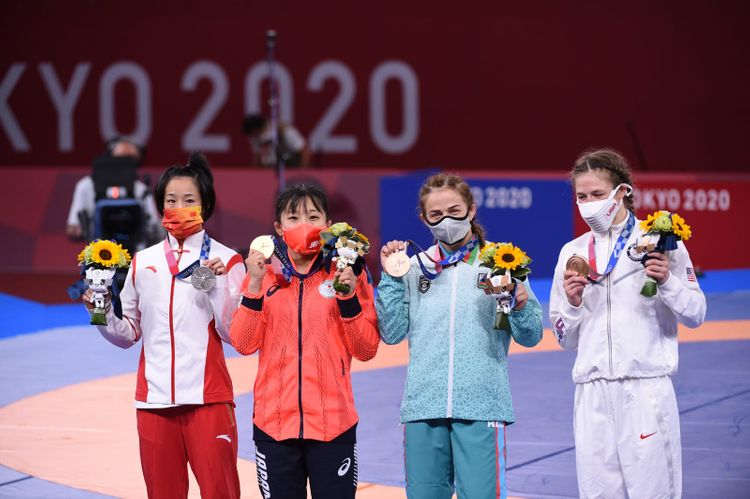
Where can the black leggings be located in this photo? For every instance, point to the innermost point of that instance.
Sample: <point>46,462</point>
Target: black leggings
<point>284,466</point>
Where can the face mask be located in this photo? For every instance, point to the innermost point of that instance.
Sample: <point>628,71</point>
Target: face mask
<point>182,222</point>
<point>450,230</point>
<point>303,238</point>
<point>599,215</point>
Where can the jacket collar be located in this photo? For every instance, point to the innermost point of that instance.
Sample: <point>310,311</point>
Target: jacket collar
<point>192,244</point>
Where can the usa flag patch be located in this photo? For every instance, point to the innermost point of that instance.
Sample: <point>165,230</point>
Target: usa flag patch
<point>559,329</point>
<point>691,274</point>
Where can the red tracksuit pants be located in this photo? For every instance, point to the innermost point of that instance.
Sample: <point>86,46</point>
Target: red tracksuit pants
<point>204,436</point>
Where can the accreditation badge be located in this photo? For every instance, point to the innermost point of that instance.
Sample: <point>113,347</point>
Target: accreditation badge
<point>326,289</point>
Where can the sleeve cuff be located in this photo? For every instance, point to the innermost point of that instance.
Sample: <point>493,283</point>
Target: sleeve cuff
<point>222,281</point>
<point>670,284</point>
<point>255,304</point>
<point>385,276</point>
<point>349,307</point>
<point>571,312</point>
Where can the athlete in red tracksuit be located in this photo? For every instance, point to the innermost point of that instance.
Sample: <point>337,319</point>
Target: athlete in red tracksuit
<point>184,396</point>
<point>304,416</point>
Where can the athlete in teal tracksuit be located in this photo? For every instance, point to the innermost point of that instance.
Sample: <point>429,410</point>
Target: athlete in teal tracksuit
<point>457,397</point>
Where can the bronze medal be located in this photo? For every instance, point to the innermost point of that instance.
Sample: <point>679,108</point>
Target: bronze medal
<point>578,264</point>
<point>397,264</point>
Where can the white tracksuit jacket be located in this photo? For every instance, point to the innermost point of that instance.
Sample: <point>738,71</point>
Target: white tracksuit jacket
<point>182,359</point>
<point>618,332</point>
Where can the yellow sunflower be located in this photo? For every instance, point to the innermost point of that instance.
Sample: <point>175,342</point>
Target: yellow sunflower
<point>648,224</point>
<point>681,229</point>
<point>486,254</point>
<point>106,253</point>
<point>509,257</point>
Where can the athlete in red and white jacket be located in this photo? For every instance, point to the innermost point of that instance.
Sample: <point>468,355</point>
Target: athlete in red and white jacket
<point>184,396</point>
<point>182,360</point>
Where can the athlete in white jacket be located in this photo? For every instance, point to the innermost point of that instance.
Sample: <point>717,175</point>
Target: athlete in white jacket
<point>626,421</point>
<point>184,395</point>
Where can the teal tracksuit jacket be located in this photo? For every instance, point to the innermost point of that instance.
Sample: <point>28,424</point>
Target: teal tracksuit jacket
<point>457,360</point>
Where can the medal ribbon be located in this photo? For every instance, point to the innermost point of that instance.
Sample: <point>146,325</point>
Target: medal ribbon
<point>451,259</point>
<point>616,251</point>
<point>174,269</point>
<point>287,269</point>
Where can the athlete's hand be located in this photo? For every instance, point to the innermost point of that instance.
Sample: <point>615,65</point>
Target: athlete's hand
<point>88,299</point>
<point>522,296</point>
<point>347,278</point>
<point>256,268</point>
<point>389,248</point>
<point>657,266</point>
<point>216,266</point>
<point>573,284</point>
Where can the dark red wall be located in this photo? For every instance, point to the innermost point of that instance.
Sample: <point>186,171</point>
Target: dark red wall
<point>500,85</point>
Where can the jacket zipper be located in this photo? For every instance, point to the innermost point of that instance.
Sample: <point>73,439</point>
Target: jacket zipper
<point>451,345</point>
<point>299,344</point>
<point>171,324</point>
<point>609,308</point>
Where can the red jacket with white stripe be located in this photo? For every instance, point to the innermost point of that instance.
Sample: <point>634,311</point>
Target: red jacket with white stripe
<point>182,360</point>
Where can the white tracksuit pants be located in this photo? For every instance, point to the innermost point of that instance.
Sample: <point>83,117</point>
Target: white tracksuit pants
<point>627,435</point>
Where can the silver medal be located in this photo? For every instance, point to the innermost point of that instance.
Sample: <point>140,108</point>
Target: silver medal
<point>203,279</point>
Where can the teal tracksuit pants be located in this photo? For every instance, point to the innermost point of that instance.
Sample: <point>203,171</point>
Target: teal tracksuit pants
<point>443,453</point>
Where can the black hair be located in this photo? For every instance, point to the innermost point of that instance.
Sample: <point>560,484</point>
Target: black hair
<point>253,123</point>
<point>293,195</point>
<point>196,168</point>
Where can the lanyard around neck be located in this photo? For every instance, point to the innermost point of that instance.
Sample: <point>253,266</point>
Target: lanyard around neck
<point>188,271</point>
<point>449,260</point>
<point>616,251</point>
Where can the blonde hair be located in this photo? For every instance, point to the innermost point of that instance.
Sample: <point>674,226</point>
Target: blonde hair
<point>458,184</point>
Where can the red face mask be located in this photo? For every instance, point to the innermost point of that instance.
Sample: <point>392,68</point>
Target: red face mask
<point>182,222</point>
<point>303,238</point>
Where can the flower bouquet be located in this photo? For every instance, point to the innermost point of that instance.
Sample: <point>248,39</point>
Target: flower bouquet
<point>100,260</point>
<point>508,265</point>
<point>348,245</point>
<point>661,230</point>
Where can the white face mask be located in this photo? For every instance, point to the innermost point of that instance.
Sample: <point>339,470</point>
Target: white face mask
<point>450,230</point>
<point>599,215</point>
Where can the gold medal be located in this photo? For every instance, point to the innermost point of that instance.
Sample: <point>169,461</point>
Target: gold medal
<point>578,264</point>
<point>264,245</point>
<point>397,264</point>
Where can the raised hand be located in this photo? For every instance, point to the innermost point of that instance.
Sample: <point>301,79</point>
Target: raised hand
<point>573,284</point>
<point>522,296</point>
<point>657,266</point>
<point>347,278</point>
<point>256,268</point>
<point>389,248</point>
<point>216,266</point>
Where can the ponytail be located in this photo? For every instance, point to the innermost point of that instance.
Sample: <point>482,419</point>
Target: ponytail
<point>198,169</point>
